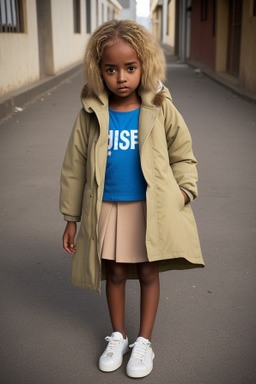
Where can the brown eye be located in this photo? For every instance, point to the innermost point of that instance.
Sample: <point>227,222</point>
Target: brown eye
<point>111,70</point>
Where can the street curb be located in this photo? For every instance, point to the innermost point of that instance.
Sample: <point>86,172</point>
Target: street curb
<point>24,95</point>
<point>224,80</point>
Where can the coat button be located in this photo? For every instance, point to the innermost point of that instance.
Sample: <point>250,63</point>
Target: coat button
<point>91,195</point>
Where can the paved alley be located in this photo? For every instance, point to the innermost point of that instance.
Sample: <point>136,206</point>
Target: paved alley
<point>205,332</point>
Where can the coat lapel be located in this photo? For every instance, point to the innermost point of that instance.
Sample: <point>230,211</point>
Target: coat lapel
<point>146,122</point>
<point>148,114</point>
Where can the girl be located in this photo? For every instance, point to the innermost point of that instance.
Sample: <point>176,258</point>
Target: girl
<point>129,174</point>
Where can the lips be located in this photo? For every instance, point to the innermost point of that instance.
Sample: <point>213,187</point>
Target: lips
<point>123,89</point>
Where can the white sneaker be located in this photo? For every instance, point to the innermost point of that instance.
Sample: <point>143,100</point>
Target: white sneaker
<point>141,360</point>
<point>112,357</point>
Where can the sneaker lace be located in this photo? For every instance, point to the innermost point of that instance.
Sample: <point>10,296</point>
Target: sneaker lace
<point>112,345</point>
<point>139,350</point>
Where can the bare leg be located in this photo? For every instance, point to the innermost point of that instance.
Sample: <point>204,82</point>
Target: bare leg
<point>150,291</point>
<point>115,289</point>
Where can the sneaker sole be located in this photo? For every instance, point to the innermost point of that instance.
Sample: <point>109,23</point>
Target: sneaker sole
<point>112,367</point>
<point>139,374</point>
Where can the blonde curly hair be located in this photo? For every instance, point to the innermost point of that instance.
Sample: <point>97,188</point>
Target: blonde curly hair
<point>147,49</point>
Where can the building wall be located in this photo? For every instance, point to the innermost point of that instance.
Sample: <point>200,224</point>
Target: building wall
<point>49,43</point>
<point>170,37</point>
<point>156,16</point>
<point>222,19</point>
<point>19,54</point>
<point>68,46</point>
<point>247,73</point>
<point>203,42</point>
<point>117,8</point>
<point>129,9</point>
<point>210,39</point>
<point>248,48</point>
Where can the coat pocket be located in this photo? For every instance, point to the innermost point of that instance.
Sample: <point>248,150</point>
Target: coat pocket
<point>177,195</point>
<point>87,210</point>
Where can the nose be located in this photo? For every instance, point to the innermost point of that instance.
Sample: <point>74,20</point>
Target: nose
<point>121,76</point>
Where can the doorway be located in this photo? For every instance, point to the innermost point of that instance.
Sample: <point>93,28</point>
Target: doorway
<point>234,36</point>
<point>45,45</point>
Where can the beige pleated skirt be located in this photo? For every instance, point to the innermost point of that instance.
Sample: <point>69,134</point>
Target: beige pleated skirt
<point>122,232</point>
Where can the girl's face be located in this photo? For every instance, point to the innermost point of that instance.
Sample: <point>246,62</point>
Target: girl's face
<point>121,70</point>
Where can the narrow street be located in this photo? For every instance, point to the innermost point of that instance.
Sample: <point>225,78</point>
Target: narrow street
<point>53,333</point>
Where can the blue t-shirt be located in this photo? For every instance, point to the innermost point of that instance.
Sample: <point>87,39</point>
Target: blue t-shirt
<point>124,180</point>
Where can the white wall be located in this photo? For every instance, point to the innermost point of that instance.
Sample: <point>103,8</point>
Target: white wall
<point>130,12</point>
<point>68,47</point>
<point>19,60</point>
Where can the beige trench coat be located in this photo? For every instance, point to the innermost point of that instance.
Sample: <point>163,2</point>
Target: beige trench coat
<point>167,163</point>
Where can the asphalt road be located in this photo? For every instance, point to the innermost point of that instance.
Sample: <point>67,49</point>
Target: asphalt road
<point>53,333</point>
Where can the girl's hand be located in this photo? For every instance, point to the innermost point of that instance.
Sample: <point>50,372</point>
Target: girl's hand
<point>185,196</point>
<point>69,237</point>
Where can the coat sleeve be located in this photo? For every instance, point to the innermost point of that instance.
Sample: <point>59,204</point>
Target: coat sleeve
<point>179,144</point>
<point>73,174</point>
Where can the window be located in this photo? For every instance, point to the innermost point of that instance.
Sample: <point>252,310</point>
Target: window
<point>77,16</point>
<point>11,16</point>
<point>88,16</point>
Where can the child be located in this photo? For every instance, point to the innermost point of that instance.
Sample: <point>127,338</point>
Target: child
<point>129,174</point>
